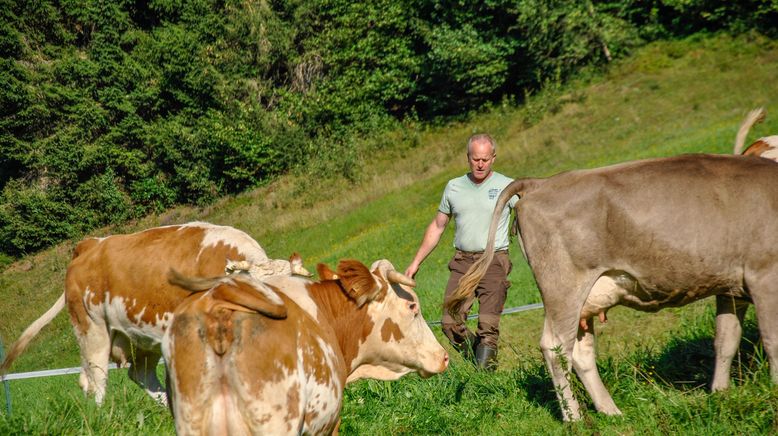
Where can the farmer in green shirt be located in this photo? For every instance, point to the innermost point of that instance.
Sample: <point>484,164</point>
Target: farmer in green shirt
<point>470,200</point>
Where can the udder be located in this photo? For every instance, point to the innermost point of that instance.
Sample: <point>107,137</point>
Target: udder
<point>605,294</point>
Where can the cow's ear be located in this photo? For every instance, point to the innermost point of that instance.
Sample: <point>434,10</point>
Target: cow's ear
<point>296,265</point>
<point>325,273</point>
<point>358,282</point>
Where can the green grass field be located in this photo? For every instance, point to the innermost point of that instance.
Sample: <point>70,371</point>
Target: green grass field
<point>669,98</point>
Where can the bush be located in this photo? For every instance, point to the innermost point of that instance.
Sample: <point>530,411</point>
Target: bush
<point>31,219</point>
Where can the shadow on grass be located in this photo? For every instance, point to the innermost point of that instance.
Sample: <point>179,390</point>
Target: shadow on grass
<point>535,384</point>
<point>687,363</point>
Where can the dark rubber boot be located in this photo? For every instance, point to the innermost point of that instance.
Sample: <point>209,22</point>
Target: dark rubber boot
<point>467,347</point>
<point>486,357</point>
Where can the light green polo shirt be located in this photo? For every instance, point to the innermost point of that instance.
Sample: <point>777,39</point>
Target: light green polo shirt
<point>471,206</point>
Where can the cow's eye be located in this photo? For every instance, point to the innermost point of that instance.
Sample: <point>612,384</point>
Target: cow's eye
<point>414,308</point>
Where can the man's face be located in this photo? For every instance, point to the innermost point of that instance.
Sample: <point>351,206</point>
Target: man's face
<point>480,158</point>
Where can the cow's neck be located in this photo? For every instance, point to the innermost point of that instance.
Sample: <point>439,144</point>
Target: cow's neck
<point>351,324</point>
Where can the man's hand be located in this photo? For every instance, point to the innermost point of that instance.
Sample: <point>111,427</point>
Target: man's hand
<point>411,270</point>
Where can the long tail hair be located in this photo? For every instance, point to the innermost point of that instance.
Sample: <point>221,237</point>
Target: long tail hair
<point>755,116</point>
<point>30,332</point>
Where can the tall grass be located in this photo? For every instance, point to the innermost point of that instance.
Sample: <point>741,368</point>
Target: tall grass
<point>669,98</point>
<point>57,406</point>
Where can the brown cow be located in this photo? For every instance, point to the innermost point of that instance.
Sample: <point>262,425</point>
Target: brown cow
<point>766,147</point>
<point>241,363</point>
<point>117,293</point>
<point>662,232</point>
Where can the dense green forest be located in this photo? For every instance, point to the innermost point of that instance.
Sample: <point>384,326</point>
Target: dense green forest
<point>115,109</point>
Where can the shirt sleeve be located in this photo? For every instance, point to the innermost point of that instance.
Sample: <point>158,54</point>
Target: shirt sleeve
<point>445,205</point>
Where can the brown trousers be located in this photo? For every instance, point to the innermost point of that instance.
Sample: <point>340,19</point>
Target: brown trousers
<point>491,293</point>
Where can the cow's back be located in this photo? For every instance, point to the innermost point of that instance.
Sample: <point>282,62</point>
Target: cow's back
<point>666,221</point>
<point>123,278</point>
<point>274,376</point>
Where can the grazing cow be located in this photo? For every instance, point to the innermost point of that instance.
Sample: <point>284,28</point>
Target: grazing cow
<point>120,301</point>
<point>242,363</point>
<point>646,234</point>
<point>766,147</point>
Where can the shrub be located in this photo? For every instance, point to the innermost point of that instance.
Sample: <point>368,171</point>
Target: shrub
<point>31,219</point>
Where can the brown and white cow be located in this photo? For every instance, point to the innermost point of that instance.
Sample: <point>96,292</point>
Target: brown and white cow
<point>121,303</point>
<point>646,234</point>
<point>241,363</point>
<point>766,147</point>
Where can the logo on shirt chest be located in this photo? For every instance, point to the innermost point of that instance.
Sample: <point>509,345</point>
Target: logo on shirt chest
<point>493,193</point>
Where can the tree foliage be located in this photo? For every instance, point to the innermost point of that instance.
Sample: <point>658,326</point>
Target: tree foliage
<point>113,109</point>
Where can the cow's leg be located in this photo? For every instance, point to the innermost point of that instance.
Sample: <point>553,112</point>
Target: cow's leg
<point>558,349</point>
<point>729,320</point>
<point>765,298</point>
<point>189,380</point>
<point>143,371</point>
<point>95,345</point>
<point>565,291</point>
<point>584,362</point>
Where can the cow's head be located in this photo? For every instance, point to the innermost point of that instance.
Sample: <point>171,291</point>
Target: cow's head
<point>400,341</point>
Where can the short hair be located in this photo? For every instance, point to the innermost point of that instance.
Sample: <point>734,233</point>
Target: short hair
<point>478,137</point>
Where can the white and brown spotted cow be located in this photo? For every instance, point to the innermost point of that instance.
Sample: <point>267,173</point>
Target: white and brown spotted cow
<point>242,363</point>
<point>646,234</point>
<point>117,293</point>
<point>766,147</point>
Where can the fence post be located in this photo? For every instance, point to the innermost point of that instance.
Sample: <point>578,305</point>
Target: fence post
<point>6,385</point>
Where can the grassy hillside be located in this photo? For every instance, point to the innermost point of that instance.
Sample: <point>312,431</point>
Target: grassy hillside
<point>669,98</point>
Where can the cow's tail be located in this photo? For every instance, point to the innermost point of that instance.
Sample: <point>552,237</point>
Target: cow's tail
<point>469,281</point>
<point>265,301</point>
<point>21,344</point>
<point>755,116</point>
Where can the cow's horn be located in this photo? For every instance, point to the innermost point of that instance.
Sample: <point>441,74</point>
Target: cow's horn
<point>397,277</point>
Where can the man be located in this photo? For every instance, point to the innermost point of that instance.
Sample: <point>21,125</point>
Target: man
<point>470,200</point>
